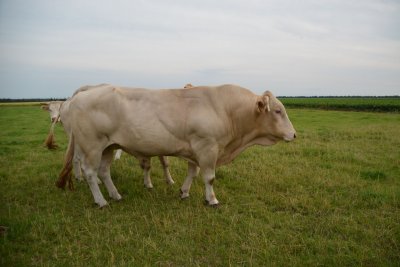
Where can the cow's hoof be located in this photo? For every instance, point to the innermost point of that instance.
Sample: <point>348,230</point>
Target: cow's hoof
<point>170,182</point>
<point>212,205</point>
<point>116,197</point>
<point>148,186</point>
<point>183,195</point>
<point>102,203</point>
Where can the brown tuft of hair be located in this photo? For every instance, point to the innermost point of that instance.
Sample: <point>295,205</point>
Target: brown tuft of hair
<point>65,176</point>
<point>50,141</point>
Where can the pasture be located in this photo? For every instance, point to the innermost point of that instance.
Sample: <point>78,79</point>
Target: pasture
<point>330,198</point>
<point>376,104</point>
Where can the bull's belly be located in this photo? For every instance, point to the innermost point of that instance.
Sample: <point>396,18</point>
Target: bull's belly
<point>145,148</point>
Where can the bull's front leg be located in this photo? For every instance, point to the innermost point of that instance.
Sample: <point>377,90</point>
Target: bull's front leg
<point>193,171</point>
<point>208,156</point>
<point>209,178</point>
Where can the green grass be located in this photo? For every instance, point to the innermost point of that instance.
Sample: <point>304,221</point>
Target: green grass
<point>377,104</point>
<point>331,198</point>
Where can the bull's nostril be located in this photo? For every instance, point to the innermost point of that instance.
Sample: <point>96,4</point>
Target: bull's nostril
<point>294,136</point>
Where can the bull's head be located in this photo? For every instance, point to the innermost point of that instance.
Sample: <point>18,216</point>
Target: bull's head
<point>273,121</point>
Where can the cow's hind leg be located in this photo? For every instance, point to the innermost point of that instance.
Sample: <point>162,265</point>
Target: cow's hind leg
<point>90,166</point>
<point>104,173</point>
<point>145,164</point>
<point>193,171</point>
<point>77,168</point>
<point>167,175</point>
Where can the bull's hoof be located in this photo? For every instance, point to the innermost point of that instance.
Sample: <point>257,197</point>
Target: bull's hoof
<point>116,197</point>
<point>102,204</point>
<point>170,182</point>
<point>148,186</point>
<point>183,195</point>
<point>214,205</point>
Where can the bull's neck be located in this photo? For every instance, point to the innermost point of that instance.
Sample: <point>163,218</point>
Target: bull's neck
<point>244,131</point>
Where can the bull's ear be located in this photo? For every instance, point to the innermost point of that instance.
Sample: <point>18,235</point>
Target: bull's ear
<point>263,104</point>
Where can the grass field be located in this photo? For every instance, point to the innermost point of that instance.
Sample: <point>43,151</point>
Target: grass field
<point>331,198</point>
<point>376,104</point>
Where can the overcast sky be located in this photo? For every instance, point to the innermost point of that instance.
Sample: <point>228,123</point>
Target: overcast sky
<point>49,48</point>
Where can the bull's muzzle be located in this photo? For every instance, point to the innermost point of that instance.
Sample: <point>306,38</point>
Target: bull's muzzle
<point>290,137</point>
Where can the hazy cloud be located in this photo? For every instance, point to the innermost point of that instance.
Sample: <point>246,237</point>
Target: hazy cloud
<point>49,48</point>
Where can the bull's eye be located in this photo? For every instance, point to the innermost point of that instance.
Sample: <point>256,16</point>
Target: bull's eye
<point>278,111</point>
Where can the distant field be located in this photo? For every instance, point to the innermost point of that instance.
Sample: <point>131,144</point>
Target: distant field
<point>13,104</point>
<point>330,198</point>
<point>376,104</point>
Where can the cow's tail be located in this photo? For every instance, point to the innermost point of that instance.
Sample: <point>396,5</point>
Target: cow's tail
<point>50,140</point>
<point>65,176</point>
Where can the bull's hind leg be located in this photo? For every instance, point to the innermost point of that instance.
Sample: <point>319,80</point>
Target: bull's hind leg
<point>167,175</point>
<point>90,166</point>
<point>104,173</point>
<point>77,168</point>
<point>145,164</point>
<point>193,171</point>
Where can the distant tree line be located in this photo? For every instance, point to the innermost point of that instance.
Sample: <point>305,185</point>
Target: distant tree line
<point>7,100</point>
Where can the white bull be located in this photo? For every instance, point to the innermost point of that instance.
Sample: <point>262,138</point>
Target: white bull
<point>207,126</point>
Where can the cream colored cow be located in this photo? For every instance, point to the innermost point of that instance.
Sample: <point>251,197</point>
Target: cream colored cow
<point>207,126</point>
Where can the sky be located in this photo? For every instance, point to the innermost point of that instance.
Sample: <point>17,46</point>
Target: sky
<point>49,48</point>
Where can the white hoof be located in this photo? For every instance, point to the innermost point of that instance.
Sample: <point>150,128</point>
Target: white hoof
<point>116,196</point>
<point>102,203</point>
<point>213,202</point>
<point>170,182</point>
<point>149,186</point>
<point>184,194</point>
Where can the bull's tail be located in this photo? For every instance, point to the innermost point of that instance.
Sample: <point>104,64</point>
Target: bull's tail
<point>65,176</point>
<point>50,140</point>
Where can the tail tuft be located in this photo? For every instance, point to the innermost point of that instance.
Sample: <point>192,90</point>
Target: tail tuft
<point>50,140</point>
<point>65,176</point>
